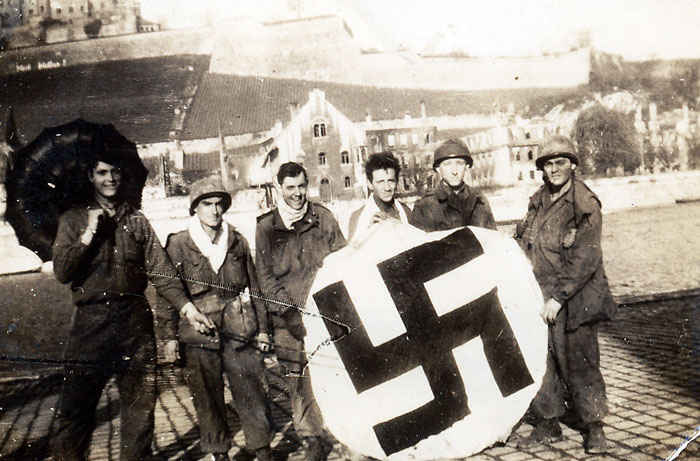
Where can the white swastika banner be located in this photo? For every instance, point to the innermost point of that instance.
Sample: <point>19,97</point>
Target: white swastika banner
<point>438,347</point>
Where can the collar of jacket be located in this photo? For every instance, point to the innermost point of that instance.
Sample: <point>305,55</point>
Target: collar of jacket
<point>579,193</point>
<point>310,219</point>
<point>444,190</point>
<point>120,211</point>
<point>232,239</point>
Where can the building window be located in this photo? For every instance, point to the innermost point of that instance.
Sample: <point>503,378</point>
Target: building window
<point>348,183</point>
<point>529,155</point>
<point>427,138</point>
<point>414,138</point>
<point>81,8</point>
<point>70,9</point>
<point>344,157</point>
<point>31,12</point>
<point>403,138</point>
<point>517,156</point>
<point>319,130</point>
<point>322,158</point>
<point>520,175</point>
<point>41,8</point>
<point>527,135</point>
<point>532,174</point>
<point>391,140</point>
<point>58,11</point>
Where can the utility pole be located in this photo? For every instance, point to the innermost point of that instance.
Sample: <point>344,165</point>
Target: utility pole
<point>223,161</point>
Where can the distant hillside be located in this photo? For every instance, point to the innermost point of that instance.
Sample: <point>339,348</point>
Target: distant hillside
<point>669,83</point>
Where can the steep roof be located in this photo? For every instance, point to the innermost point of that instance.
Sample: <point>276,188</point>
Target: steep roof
<point>247,104</point>
<point>138,96</point>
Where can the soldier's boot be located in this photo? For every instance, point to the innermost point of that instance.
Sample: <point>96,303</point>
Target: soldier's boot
<point>263,454</point>
<point>594,442</point>
<point>317,449</point>
<point>546,431</point>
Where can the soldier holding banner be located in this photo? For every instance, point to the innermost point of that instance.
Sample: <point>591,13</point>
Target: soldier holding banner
<point>452,204</point>
<point>382,172</point>
<point>561,235</point>
<point>291,242</point>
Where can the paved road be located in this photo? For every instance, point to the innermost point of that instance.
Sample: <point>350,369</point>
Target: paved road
<point>649,356</point>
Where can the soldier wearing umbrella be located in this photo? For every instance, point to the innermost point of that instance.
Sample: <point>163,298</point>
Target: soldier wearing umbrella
<point>561,235</point>
<point>107,250</point>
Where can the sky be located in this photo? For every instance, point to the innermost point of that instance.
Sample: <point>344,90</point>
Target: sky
<point>636,29</point>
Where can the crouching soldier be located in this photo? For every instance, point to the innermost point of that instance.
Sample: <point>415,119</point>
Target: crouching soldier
<point>561,235</point>
<point>215,263</point>
<point>452,204</point>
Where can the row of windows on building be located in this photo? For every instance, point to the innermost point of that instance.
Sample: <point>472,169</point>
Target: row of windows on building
<point>59,11</point>
<point>344,157</point>
<point>347,182</point>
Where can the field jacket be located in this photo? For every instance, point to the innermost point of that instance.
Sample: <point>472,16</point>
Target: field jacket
<point>562,240</point>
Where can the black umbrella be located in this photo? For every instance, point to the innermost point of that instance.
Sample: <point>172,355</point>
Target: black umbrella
<point>50,176</point>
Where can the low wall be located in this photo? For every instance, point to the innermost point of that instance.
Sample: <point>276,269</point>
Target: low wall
<point>616,194</point>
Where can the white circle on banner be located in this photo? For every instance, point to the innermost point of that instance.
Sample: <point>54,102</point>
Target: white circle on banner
<point>446,373</point>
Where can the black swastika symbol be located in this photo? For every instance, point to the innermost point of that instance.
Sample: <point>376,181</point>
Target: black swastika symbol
<point>428,341</point>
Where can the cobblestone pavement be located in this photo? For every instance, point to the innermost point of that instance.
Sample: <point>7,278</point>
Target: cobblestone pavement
<point>650,362</point>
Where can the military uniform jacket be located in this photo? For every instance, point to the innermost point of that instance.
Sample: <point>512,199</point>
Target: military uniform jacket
<point>443,209</point>
<point>287,259</point>
<point>562,240</point>
<point>123,256</point>
<point>235,274</point>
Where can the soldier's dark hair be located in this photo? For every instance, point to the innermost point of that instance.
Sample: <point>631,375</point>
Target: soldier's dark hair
<point>381,161</point>
<point>291,170</point>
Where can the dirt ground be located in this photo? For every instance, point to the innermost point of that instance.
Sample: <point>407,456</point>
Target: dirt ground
<point>653,250</point>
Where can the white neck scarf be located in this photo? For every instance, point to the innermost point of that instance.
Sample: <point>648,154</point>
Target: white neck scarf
<point>288,214</point>
<point>214,252</point>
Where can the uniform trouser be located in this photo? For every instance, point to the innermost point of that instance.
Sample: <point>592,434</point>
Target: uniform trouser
<point>245,371</point>
<point>111,339</point>
<point>306,415</point>
<point>573,368</point>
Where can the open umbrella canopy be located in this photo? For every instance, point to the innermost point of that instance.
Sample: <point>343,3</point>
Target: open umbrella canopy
<point>50,175</point>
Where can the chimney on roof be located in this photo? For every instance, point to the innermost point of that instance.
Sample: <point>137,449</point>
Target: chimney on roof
<point>318,97</point>
<point>423,112</point>
<point>293,108</point>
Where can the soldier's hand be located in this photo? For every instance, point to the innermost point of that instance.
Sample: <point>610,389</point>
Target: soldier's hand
<point>199,321</point>
<point>550,310</point>
<point>94,218</point>
<point>93,221</point>
<point>171,351</point>
<point>264,343</point>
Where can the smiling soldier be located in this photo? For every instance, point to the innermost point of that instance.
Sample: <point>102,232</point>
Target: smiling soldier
<point>382,172</point>
<point>561,235</point>
<point>291,242</point>
<point>108,252</point>
<point>452,204</point>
